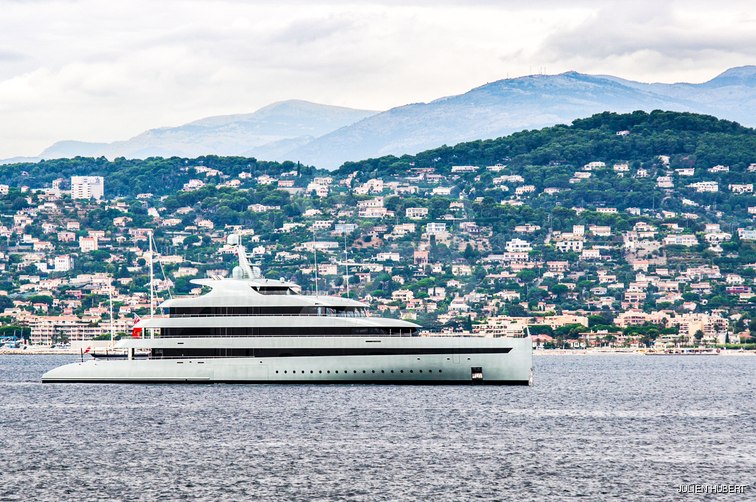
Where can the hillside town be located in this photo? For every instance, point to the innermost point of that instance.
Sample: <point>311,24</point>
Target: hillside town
<point>428,245</point>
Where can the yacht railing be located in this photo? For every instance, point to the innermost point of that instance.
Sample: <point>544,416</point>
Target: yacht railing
<point>332,335</point>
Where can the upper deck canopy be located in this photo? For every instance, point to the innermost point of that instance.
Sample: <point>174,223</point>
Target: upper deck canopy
<point>256,293</point>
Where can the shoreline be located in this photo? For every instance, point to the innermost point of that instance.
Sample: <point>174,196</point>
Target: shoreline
<point>539,352</point>
<point>584,352</point>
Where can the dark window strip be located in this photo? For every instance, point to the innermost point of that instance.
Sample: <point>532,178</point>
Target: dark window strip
<point>281,310</point>
<point>284,331</point>
<point>187,353</point>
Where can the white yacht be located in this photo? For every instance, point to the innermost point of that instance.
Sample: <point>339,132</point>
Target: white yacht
<point>248,329</point>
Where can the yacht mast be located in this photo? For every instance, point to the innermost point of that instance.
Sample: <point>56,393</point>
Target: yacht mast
<point>346,264</point>
<point>152,286</point>
<point>110,300</point>
<point>243,261</point>
<point>315,249</point>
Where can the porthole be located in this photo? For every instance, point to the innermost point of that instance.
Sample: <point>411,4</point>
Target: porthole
<point>320,371</point>
<point>401,371</point>
<point>276,371</point>
<point>412,371</point>
<point>421,371</point>
<point>329,372</point>
<point>373,371</point>
<point>392,371</point>
<point>440,371</point>
<point>355,371</point>
<point>336,371</point>
<point>383,371</point>
<point>448,359</point>
<point>303,372</point>
<point>285,372</point>
<point>364,371</point>
<point>312,371</point>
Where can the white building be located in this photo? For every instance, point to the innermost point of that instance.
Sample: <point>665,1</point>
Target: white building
<point>705,186</point>
<point>525,189</point>
<point>741,188</point>
<point>518,246</point>
<point>388,256</point>
<point>435,228</point>
<point>63,263</point>
<point>88,244</point>
<point>87,187</point>
<point>681,240</point>
<point>416,213</point>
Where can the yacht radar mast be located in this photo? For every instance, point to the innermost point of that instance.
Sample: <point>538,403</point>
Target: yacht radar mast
<point>245,269</point>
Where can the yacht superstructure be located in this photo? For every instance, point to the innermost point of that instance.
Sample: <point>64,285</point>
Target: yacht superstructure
<point>255,330</point>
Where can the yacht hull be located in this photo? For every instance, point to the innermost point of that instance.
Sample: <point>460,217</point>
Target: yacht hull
<point>430,360</point>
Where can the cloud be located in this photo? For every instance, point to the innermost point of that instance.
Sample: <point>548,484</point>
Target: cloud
<point>102,71</point>
<point>668,41</point>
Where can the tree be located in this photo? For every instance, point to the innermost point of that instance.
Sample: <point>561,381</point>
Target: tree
<point>5,303</point>
<point>559,289</point>
<point>527,275</point>
<point>698,336</point>
<point>516,310</point>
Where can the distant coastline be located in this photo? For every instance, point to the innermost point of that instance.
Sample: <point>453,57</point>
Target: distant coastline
<point>539,352</point>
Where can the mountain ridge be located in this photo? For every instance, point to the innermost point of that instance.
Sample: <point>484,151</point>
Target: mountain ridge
<point>222,134</point>
<point>296,130</point>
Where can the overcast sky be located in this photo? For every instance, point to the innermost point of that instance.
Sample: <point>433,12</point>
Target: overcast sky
<point>107,70</point>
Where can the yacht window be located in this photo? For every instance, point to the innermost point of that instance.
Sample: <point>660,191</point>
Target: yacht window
<point>274,290</point>
<point>282,331</point>
<point>262,310</point>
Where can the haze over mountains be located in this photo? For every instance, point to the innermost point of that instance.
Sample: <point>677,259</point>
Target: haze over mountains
<point>326,136</point>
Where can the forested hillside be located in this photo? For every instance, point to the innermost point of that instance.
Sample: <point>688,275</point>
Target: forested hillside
<point>613,215</point>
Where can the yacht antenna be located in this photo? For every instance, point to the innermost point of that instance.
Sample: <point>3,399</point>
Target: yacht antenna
<point>243,262</point>
<point>346,264</point>
<point>110,299</point>
<point>162,269</point>
<point>315,249</point>
<point>152,286</point>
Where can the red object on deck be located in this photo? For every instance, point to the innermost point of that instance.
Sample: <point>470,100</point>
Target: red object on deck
<point>136,332</point>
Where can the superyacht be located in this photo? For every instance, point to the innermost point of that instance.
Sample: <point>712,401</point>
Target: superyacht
<point>249,329</point>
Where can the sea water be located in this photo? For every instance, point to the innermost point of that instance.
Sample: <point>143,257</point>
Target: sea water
<point>597,427</point>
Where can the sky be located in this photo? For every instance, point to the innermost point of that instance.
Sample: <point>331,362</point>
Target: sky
<point>105,70</point>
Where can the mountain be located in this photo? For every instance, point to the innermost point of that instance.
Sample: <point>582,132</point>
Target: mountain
<point>532,102</point>
<point>327,136</point>
<point>290,123</point>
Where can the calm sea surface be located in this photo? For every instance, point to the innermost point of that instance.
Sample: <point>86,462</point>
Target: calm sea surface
<point>592,427</point>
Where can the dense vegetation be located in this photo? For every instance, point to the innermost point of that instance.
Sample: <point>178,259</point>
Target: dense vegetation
<point>548,158</point>
<point>689,139</point>
<point>129,177</point>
